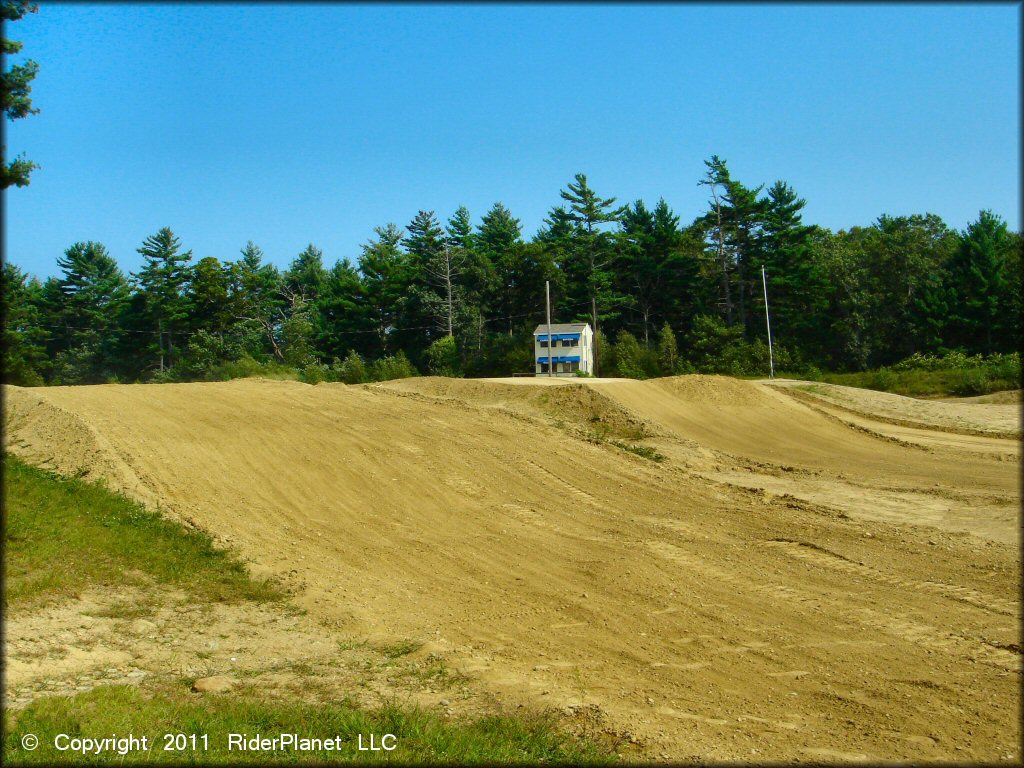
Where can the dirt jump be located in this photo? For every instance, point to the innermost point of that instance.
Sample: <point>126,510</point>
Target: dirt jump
<point>725,570</point>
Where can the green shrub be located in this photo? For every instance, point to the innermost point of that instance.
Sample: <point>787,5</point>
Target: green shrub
<point>972,382</point>
<point>668,351</point>
<point>443,358</point>
<point>246,367</point>
<point>353,369</point>
<point>883,380</point>
<point>629,356</point>
<point>314,373</point>
<point>392,367</point>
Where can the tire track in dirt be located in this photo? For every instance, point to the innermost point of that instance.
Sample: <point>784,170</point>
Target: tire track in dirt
<point>892,623</point>
<point>826,558</point>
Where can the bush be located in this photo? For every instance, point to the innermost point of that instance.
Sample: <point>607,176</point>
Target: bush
<point>246,367</point>
<point>708,340</point>
<point>668,351</point>
<point>204,353</point>
<point>628,356</point>
<point>314,373</point>
<point>443,358</point>
<point>972,382</point>
<point>392,367</point>
<point>353,369</point>
<point>605,354</point>
<point>883,380</point>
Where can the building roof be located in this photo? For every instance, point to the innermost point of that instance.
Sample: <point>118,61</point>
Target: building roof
<point>561,328</point>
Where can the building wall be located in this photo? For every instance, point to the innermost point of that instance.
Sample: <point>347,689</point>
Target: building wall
<point>584,349</point>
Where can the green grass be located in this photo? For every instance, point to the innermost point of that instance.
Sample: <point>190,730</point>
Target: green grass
<point>919,383</point>
<point>62,536</point>
<point>644,451</point>
<point>954,373</point>
<point>399,648</point>
<point>422,736</point>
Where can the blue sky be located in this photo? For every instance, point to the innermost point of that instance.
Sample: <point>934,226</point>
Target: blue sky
<point>291,124</point>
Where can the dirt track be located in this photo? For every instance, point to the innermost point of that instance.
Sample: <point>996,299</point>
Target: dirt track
<point>795,580</point>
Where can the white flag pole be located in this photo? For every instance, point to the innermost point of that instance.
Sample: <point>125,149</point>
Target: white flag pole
<point>771,356</point>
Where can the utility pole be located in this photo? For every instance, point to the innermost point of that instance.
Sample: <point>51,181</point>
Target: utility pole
<point>771,357</point>
<point>593,312</point>
<point>547,295</point>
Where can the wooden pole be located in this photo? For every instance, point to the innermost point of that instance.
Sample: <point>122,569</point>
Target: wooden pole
<point>547,295</point>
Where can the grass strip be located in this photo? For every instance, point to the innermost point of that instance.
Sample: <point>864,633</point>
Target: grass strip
<point>63,535</point>
<point>420,736</point>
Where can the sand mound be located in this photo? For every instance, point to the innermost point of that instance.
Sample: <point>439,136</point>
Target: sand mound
<point>994,415</point>
<point>996,398</point>
<point>707,615</point>
<point>713,390</point>
<point>59,439</point>
<point>586,408</point>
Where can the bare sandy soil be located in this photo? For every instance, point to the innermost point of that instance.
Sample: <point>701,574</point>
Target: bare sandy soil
<point>793,581</point>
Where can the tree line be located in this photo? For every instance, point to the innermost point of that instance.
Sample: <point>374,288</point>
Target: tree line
<point>461,298</point>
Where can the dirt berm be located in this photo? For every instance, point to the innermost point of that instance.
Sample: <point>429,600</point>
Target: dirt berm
<point>784,584</point>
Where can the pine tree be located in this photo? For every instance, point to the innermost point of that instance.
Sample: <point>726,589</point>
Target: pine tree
<point>15,90</point>
<point>209,297</point>
<point>341,320</point>
<point>596,246</point>
<point>163,281</point>
<point>439,266</point>
<point>668,351</point>
<point>306,275</point>
<point>24,337</point>
<point>796,287</point>
<point>499,240</point>
<point>93,293</point>
<point>460,229</point>
<point>979,278</point>
<point>477,278</point>
<point>716,179</point>
<point>386,280</point>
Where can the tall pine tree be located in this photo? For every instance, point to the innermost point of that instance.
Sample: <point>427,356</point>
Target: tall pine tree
<point>163,282</point>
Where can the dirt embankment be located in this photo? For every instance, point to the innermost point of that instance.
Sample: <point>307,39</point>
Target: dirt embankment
<point>739,600</point>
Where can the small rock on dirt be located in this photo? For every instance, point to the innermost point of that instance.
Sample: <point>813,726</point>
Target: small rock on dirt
<point>215,684</point>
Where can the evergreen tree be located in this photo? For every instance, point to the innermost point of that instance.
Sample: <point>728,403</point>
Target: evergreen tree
<point>797,293</point>
<point>460,229</point>
<point>978,278</point>
<point>256,302</point>
<point>341,321</point>
<point>386,281</point>
<point>24,337</point>
<point>306,275</point>
<point>668,351</point>
<point>717,180</point>
<point>744,218</point>
<point>93,293</point>
<point>595,249</point>
<point>427,307</point>
<point>499,241</point>
<point>15,90</point>
<point>163,281</point>
<point>425,240</point>
<point>906,258</point>
<point>208,297</point>
<point>477,278</point>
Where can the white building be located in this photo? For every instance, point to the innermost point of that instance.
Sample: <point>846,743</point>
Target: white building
<point>571,350</point>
